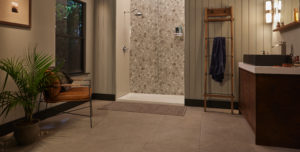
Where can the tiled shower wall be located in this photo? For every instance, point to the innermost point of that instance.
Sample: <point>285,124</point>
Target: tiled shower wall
<point>157,55</point>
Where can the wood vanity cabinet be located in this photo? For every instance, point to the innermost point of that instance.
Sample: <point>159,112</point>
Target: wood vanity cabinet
<point>271,105</point>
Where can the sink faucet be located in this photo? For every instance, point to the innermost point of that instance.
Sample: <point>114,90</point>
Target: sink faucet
<point>292,50</point>
<point>263,52</point>
<point>283,47</point>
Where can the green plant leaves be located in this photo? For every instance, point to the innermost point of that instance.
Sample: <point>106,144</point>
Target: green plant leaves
<point>29,74</point>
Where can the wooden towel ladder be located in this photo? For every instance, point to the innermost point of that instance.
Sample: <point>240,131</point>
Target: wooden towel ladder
<point>219,15</point>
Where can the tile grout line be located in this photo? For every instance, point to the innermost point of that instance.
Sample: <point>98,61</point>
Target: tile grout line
<point>101,121</point>
<point>199,150</point>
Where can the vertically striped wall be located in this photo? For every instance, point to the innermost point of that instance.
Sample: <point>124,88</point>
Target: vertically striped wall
<point>251,35</point>
<point>104,46</point>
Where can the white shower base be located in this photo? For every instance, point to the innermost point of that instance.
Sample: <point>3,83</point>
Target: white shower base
<point>153,98</point>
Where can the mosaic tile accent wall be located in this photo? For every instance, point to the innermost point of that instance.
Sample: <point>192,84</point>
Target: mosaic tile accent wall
<point>157,55</point>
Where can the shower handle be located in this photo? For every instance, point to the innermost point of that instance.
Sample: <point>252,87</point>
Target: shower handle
<point>125,49</point>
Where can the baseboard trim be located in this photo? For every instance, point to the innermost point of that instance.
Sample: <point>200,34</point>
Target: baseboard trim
<point>210,104</point>
<point>8,127</point>
<point>108,97</point>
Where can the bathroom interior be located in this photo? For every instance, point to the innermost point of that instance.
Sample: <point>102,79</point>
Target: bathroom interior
<point>150,51</point>
<point>160,52</point>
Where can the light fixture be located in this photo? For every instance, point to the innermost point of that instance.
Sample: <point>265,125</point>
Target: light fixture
<point>277,17</point>
<point>273,11</point>
<point>269,18</point>
<point>268,5</point>
<point>269,12</point>
<point>279,5</point>
<point>277,11</point>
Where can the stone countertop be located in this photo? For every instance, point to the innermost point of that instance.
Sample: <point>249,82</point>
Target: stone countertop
<point>270,69</point>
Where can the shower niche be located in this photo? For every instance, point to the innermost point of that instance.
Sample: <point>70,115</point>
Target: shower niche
<point>152,67</point>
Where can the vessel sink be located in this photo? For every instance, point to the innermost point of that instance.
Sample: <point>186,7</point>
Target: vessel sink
<point>266,60</point>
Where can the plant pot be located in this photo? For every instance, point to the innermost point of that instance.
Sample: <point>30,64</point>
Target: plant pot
<point>26,132</point>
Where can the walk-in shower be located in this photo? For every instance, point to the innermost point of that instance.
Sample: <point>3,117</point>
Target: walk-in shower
<point>155,52</point>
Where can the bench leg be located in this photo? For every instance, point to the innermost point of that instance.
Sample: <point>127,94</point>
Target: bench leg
<point>40,102</point>
<point>91,113</point>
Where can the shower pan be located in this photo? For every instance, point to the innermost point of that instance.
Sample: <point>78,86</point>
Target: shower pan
<point>152,98</point>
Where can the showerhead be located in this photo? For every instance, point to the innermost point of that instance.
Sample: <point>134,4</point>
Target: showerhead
<point>138,13</point>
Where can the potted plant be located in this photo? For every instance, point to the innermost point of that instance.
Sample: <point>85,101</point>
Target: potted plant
<point>30,76</point>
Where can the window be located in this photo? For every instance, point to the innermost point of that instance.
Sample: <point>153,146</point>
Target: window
<point>70,36</point>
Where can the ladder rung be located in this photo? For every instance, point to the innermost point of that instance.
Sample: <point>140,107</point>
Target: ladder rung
<point>219,20</point>
<point>227,74</point>
<point>227,56</point>
<point>218,95</point>
<point>214,37</point>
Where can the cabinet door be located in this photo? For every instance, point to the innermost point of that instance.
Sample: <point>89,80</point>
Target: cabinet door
<point>248,97</point>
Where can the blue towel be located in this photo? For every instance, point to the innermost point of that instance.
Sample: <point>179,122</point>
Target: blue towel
<point>218,61</point>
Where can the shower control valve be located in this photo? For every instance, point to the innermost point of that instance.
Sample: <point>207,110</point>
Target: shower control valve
<point>125,49</point>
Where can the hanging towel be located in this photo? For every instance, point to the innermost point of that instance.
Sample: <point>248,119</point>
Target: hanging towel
<point>218,60</point>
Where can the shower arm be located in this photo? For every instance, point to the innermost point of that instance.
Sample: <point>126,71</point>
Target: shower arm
<point>128,12</point>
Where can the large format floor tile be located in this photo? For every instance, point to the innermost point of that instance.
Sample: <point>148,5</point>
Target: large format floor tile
<point>115,131</point>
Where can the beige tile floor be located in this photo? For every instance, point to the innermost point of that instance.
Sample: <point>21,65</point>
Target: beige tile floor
<point>114,131</point>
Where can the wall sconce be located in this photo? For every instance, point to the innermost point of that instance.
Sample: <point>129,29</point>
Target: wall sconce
<point>273,11</point>
<point>269,18</point>
<point>269,12</point>
<point>277,11</point>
